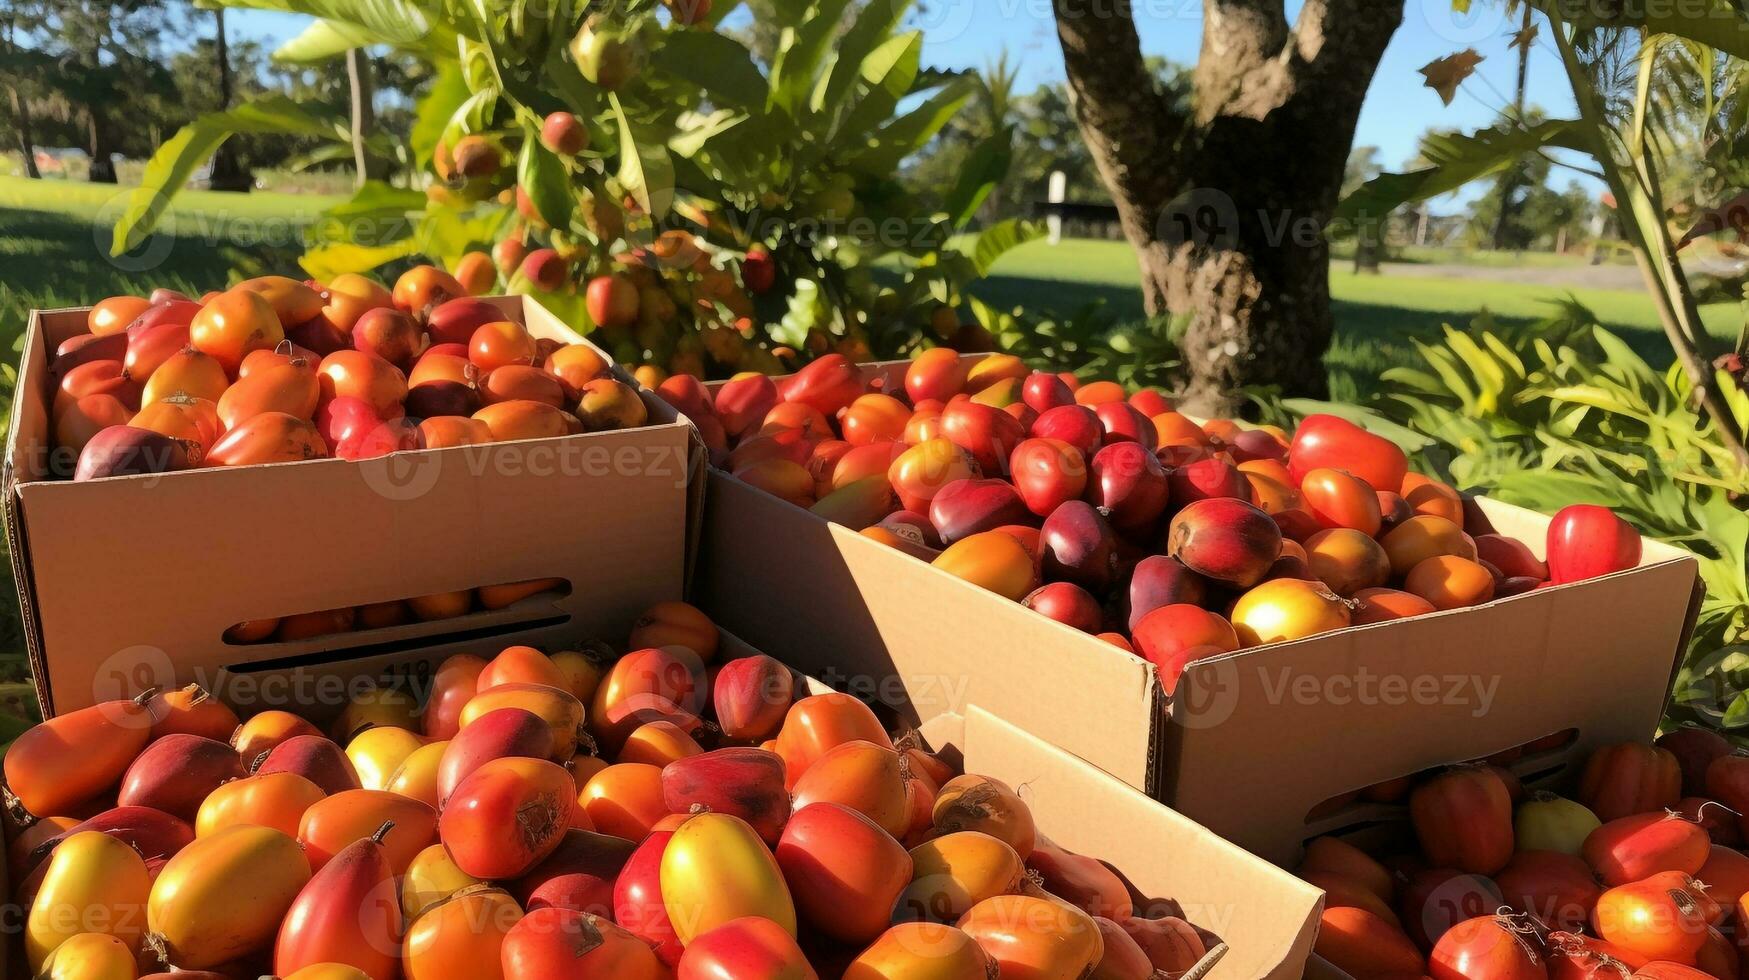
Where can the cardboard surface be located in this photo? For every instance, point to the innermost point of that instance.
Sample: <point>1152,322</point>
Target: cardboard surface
<point>130,582</point>
<point>1256,740</point>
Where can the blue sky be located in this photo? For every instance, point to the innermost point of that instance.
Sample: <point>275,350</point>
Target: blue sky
<point>969,33</point>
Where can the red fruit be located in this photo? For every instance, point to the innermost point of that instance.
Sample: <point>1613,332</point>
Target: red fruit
<point>1047,472</point>
<point>1067,603</point>
<point>87,347</point>
<point>1042,391</point>
<point>1226,540</point>
<point>563,132</point>
<point>1641,845</point>
<point>1328,441</point>
<point>1577,957</point>
<point>1512,556</point>
<point>966,507</point>
<point>578,875</point>
<point>1463,819</point>
<point>1253,444</point>
<point>1076,425</point>
<point>1586,541</point>
<point>155,834</point>
<point>1557,888</point>
<point>1172,636</point>
<point>389,334</point>
<point>758,270</point>
<point>1489,947</point>
<point>687,394</point>
<point>1084,882</point>
<point>145,348</point>
<point>546,270</point>
<point>497,734</point>
<point>750,696</point>
<point>437,399</point>
<point>743,782</point>
<point>1621,780</point>
<point>507,816</point>
<point>1207,479</point>
<point>175,773</point>
<point>349,913</point>
<point>936,374</point>
<point>637,898</point>
<point>454,322</point>
<point>315,758</point>
<point>1077,545</point>
<point>558,942</point>
<point>826,385</point>
<point>1695,749</point>
<point>1362,944</point>
<point>743,403</point>
<point>745,947</point>
<point>1440,898</point>
<point>844,872</point>
<point>988,434</point>
<point>123,450</point>
<point>612,301</point>
<point>1123,422</point>
<point>1129,484</point>
<point>1160,580</point>
<point>1150,402</point>
<point>1661,918</point>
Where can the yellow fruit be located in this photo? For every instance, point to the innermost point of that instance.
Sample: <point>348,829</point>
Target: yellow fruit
<point>715,870</point>
<point>460,937</point>
<point>90,956</point>
<point>224,896</point>
<point>431,878</point>
<point>94,884</point>
<point>270,799</point>
<point>416,776</point>
<point>377,752</point>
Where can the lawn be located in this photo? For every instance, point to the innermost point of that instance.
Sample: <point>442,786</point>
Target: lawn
<point>1377,316</point>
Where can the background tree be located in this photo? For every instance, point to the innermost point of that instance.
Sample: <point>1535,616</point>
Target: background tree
<point>228,173</point>
<point>1363,165</point>
<point>1225,205</point>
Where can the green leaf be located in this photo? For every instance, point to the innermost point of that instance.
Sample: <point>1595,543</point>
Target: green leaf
<point>401,23</point>
<point>176,161</point>
<point>714,62</point>
<point>887,74</point>
<point>1000,238</point>
<point>436,108</point>
<point>645,171</point>
<point>983,169</point>
<point>323,40</point>
<point>873,28</point>
<point>372,210</point>
<point>1410,440</point>
<point>799,54</point>
<point>908,133</point>
<point>541,174</point>
<point>327,261</point>
<point>696,132</point>
<point>1719,24</point>
<point>1456,160</point>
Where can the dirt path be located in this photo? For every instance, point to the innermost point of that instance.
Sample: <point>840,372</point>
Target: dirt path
<point>1589,276</point>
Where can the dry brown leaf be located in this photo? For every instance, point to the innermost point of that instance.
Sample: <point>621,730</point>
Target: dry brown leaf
<point>1444,75</point>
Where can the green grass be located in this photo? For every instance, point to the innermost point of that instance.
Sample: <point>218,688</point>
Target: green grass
<point>1377,317</point>
<point>55,239</point>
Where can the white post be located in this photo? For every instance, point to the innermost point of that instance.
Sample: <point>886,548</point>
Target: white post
<point>1059,186</point>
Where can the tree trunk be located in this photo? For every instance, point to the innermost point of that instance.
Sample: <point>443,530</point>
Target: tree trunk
<point>1226,210</point>
<point>26,137</point>
<point>1507,207</point>
<point>100,143</point>
<point>363,113</point>
<point>228,173</point>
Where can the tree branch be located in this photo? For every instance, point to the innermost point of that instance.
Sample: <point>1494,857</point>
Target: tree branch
<point>1331,37</point>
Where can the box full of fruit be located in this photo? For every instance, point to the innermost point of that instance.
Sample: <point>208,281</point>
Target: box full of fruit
<point>677,808</point>
<point>1633,870</point>
<point>1244,621</point>
<point>284,469</point>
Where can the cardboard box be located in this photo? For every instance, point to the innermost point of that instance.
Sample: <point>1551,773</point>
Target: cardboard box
<point>1255,741</point>
<point>130,582</point>
<point>1265,917</point>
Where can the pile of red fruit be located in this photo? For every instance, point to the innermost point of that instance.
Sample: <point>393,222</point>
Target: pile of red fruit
<point>1118,516</point>
<point>563,816</point>
<point>277,370</point>
<point>1639,875</point>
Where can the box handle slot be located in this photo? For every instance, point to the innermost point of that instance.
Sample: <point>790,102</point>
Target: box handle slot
<point>388,647</point>
<point>347,620</point>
